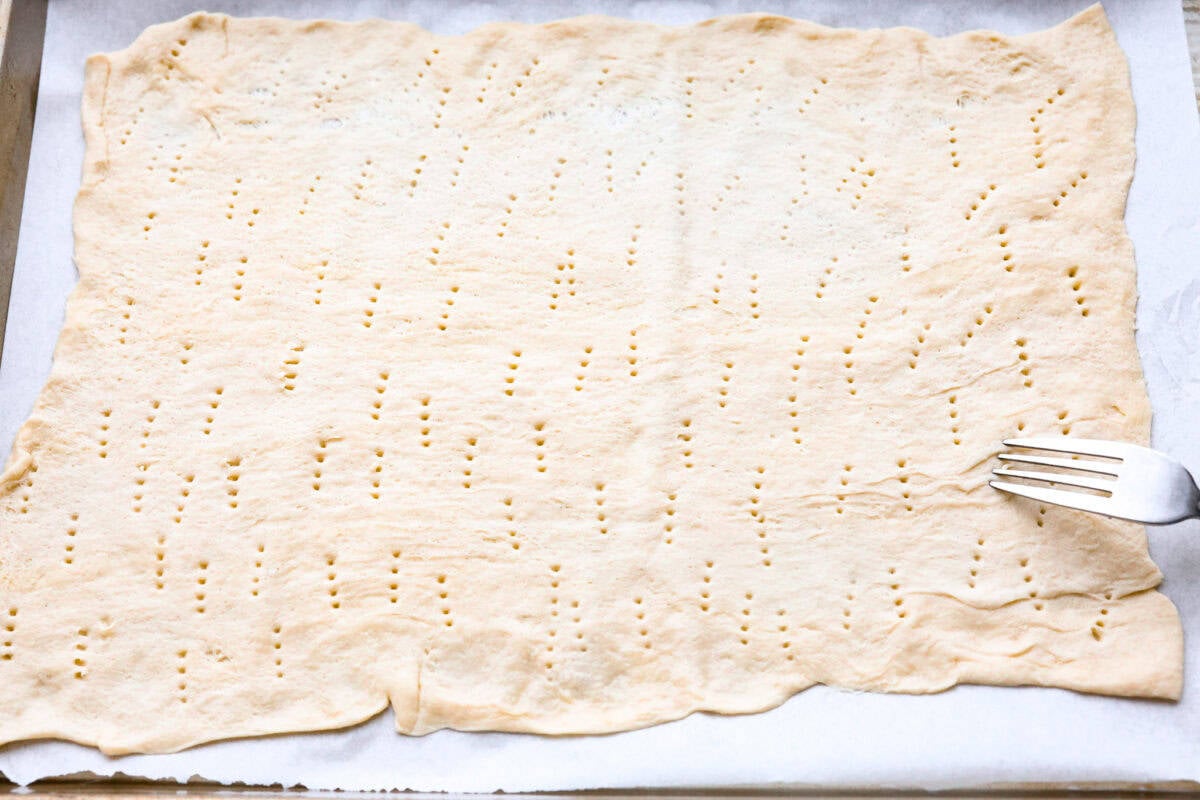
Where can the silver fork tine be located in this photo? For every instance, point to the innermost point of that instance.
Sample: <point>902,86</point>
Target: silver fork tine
<point>1087,447</point>
<point>1145,485</point>
<point>1102,467</point>
<point>1057,497</point>
<point>1063,479</point>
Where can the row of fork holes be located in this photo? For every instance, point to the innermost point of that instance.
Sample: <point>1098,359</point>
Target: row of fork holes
<point>10,629</point>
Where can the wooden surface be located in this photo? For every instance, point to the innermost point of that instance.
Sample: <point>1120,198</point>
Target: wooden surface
<point>22,27</point>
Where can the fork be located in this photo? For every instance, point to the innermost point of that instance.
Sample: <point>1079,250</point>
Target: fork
<point>1140,484</point>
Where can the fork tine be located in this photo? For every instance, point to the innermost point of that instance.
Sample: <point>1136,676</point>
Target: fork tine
<point>1081,481</point>
<point>1057,497</point>
<point>1089,447</point>
<point>1102,467</point>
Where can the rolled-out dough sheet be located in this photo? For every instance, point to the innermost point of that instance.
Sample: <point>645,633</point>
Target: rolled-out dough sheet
<point>571,378</point>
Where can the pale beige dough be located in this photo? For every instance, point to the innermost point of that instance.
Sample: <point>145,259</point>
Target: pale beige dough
<point>572,378</point>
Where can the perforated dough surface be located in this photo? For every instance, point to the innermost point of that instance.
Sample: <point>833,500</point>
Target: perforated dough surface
<point>572,378</point>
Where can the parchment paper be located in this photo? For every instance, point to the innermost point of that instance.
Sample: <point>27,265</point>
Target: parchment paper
<point>969,736</point>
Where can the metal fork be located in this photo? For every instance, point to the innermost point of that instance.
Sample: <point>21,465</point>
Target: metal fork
<point>1140,484</point>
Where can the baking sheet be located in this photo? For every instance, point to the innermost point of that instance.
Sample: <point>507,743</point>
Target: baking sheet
<point>969,736</point>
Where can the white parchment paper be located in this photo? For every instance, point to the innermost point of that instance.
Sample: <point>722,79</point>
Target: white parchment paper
<point>969,736</point>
